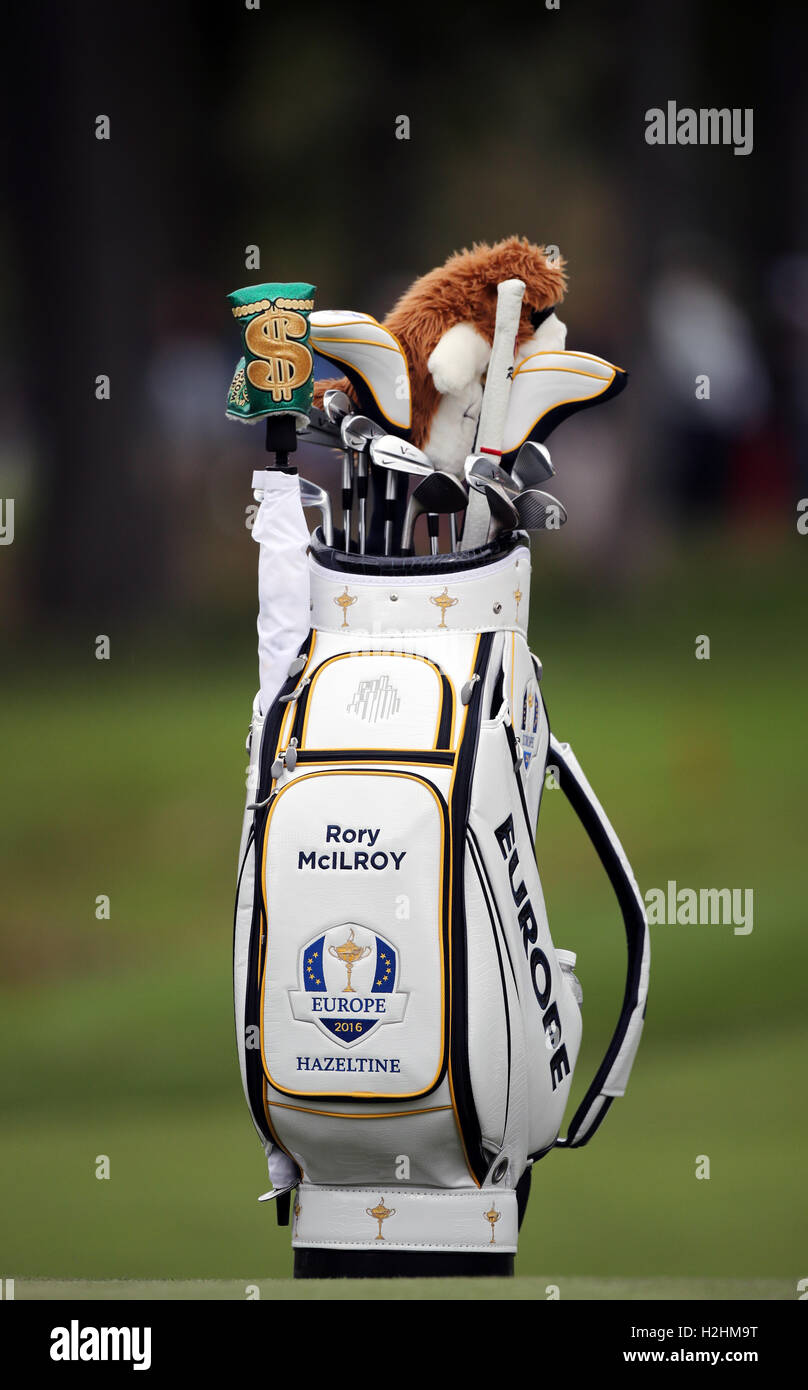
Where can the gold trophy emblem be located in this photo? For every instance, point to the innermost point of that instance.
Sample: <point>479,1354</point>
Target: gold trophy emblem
<point>284,364</point>
<point>344,601</point>
<point>380,1213</point>
<point>493,1216</point>
<point>349,953</point>
<point>443,601</point>
<point>518,595</point>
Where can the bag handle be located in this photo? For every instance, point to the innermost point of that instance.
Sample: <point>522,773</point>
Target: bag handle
<point>613,1073</point>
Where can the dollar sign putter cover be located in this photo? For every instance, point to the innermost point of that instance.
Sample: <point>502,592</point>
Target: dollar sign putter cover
<point>276,374</point>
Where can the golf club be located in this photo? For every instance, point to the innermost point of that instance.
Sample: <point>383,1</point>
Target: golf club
<point>532,465</point>
<point>538,511</point>
<point>483,467</point>
<point>357,432</point>
<point>320,430</point>
<point>397,456</point>
<point>437,495</point>
<point>338,407</point>
<point>313,496</point>
<point>503,513</point>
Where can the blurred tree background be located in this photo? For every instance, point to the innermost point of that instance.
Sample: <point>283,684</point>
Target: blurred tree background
<point>273,127</point>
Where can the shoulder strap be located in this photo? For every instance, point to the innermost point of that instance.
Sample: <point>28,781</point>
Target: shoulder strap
<point>613,1073</point>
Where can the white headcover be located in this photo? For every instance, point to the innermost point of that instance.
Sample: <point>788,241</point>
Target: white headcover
<point>366,350</point>
<point>549,381</point>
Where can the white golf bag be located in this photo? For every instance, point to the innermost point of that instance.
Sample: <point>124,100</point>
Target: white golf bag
<point>407,1030</point>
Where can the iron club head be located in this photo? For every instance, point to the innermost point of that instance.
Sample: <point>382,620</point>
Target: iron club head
<point>532,465</point>
<point>313,496</point>
<point>439,494</point>
<point>504,516</point>
<point>538,511</point>
<point>482,466</point>
<point>356,432</point>
<point>337,405</point>
<point>397,456</point>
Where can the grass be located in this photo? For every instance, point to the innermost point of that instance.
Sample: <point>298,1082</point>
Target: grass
<point>534,1289</point>
<point>116,1035</point>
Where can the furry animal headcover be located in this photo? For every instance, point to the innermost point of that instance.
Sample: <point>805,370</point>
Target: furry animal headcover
<point>459,299</point>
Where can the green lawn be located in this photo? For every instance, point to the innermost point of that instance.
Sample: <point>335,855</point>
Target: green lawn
<point>535,1288</point>
<point>116,1036</point>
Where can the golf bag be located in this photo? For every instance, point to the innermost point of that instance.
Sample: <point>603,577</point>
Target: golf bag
<point>407,1030</point>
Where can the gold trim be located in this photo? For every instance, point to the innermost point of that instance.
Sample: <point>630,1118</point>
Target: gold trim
<point>363,342</point>
<point>348,363</point>
<point>414,656</point>
<point>571,400</point>
<point>569,371</point>
<point>564,352</point>
<point>241,311</point>
<point>374,1115</point>
<point>274,1132</point>
<point>444,602</point>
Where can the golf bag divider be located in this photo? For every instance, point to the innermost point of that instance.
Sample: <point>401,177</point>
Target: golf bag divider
<point>407,1033</point>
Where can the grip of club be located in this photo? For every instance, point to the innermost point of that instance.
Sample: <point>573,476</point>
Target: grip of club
<point>389,511</point>
<point>491,429</point>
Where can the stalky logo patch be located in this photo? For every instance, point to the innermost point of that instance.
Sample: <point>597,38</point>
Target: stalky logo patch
<point>349,977</point>
<point>375,700</point>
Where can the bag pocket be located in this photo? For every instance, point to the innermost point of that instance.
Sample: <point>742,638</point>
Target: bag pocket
<point>551,1018</point>
<point>375,700</point>
<point>355,878</point>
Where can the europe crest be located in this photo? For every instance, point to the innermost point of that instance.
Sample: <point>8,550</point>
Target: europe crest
<point>530,722</point>
<point>349,981</point>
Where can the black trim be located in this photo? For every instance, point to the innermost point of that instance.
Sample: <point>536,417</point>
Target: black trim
<point>436,758</point>
<point>446,712</point>
<point>483,873</point>
<point>395,566</point>
<point>495,922</point>
<point>312,1262</point>
<point>538,316</point>
<point>522,1194</point>
<point>516,758</point>
<point>467,1117</point>
<point>497,695</point>
<point>253,1068</point>
<point>635,925</point>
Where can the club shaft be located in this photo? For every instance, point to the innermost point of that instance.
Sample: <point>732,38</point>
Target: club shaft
<point>389,510</point>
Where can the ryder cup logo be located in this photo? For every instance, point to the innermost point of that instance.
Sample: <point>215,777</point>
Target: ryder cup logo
<point>528,730</point>
<point>349,979</point>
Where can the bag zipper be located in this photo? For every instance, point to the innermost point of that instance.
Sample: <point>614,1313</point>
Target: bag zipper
<point>436,758</point>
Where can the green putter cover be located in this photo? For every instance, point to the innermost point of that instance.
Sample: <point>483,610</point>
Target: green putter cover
<point>276,374</point>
